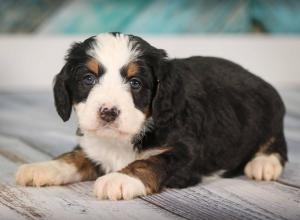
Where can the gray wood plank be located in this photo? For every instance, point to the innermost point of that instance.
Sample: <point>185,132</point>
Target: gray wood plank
<point>291,175</point>
<point>74,201</point>
<point>31,131</point>
<point>238,198</point>
<point>31,118</point>
<point>227,198</point>
<point>232,199</point>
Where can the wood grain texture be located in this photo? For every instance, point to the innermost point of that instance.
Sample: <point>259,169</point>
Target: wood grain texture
<point>291,175</point>
<point>232,199</point>
<point>30,131</point>
<point>74,201</point>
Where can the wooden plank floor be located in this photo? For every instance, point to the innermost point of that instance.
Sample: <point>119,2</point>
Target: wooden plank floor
<point>31,131</point>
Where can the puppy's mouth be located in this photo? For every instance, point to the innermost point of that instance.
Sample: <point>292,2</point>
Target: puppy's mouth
<point>112,127</point>
<point>108,129</point>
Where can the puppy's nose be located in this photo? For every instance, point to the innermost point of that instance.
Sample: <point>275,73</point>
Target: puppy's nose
<point>109,114</point>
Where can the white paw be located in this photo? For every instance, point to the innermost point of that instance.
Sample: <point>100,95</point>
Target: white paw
<point>46,174</point>
<point>116,186</point>
<point>264,167</point>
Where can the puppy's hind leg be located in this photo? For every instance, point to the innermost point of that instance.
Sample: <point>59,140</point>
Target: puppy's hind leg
<point>267,164</point>
<point>67,168</point>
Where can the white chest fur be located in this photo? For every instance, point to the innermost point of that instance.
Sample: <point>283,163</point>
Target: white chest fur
<point>111,154</point>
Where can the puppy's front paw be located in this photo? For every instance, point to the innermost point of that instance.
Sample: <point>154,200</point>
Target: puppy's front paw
<point>116,186</point>
<point>44,173</point>
<point>264,167</point>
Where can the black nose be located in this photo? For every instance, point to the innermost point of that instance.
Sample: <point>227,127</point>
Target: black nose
<point>109,114</point>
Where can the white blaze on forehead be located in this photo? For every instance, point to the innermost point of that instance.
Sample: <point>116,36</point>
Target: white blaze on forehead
<point>114,51</point>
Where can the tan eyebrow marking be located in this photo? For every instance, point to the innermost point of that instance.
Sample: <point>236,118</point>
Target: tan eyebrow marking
<point>132,69</point>
<point>93,66</point>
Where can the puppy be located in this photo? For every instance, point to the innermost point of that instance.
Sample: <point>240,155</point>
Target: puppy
<point>147,122</point>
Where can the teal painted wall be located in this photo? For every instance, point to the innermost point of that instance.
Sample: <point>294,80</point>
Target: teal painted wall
<point>150,16</point>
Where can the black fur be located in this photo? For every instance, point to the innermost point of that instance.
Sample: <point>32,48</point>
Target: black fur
<point>212,113</point>
<point>216,115</point>
<point>62,96</point>
<point>68,89</point>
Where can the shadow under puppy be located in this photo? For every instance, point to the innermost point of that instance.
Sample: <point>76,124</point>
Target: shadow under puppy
<point>149,122</point>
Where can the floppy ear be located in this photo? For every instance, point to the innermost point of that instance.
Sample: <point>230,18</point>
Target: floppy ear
<point>62,96</point>
<point>169,99</point>
<point>154,58</point>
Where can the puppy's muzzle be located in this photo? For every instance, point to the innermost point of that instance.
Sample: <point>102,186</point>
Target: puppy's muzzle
<point>109,114</point>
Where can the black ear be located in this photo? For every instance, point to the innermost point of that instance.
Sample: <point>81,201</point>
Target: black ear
<point>152,55</point>
<point>62,96</point>
<point>155,58</point>
<point>169,100</point>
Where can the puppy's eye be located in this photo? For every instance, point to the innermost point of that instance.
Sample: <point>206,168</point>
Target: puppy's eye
<point>89,79</point>
<point>135,83</point>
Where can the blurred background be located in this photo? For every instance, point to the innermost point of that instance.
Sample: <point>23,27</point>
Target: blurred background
<point>150,16</point>
<point>261,35</point>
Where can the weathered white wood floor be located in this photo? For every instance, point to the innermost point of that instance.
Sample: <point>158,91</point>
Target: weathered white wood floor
<point>31,131</point>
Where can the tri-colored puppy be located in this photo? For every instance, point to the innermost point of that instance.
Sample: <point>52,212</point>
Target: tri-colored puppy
<point>148,121</point>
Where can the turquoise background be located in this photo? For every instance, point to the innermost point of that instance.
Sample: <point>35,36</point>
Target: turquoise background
<point>150,16</point>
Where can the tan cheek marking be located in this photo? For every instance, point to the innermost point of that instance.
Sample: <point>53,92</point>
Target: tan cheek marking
<point>132,69</point>
<point>84,166</point>
<point>93,66</point>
